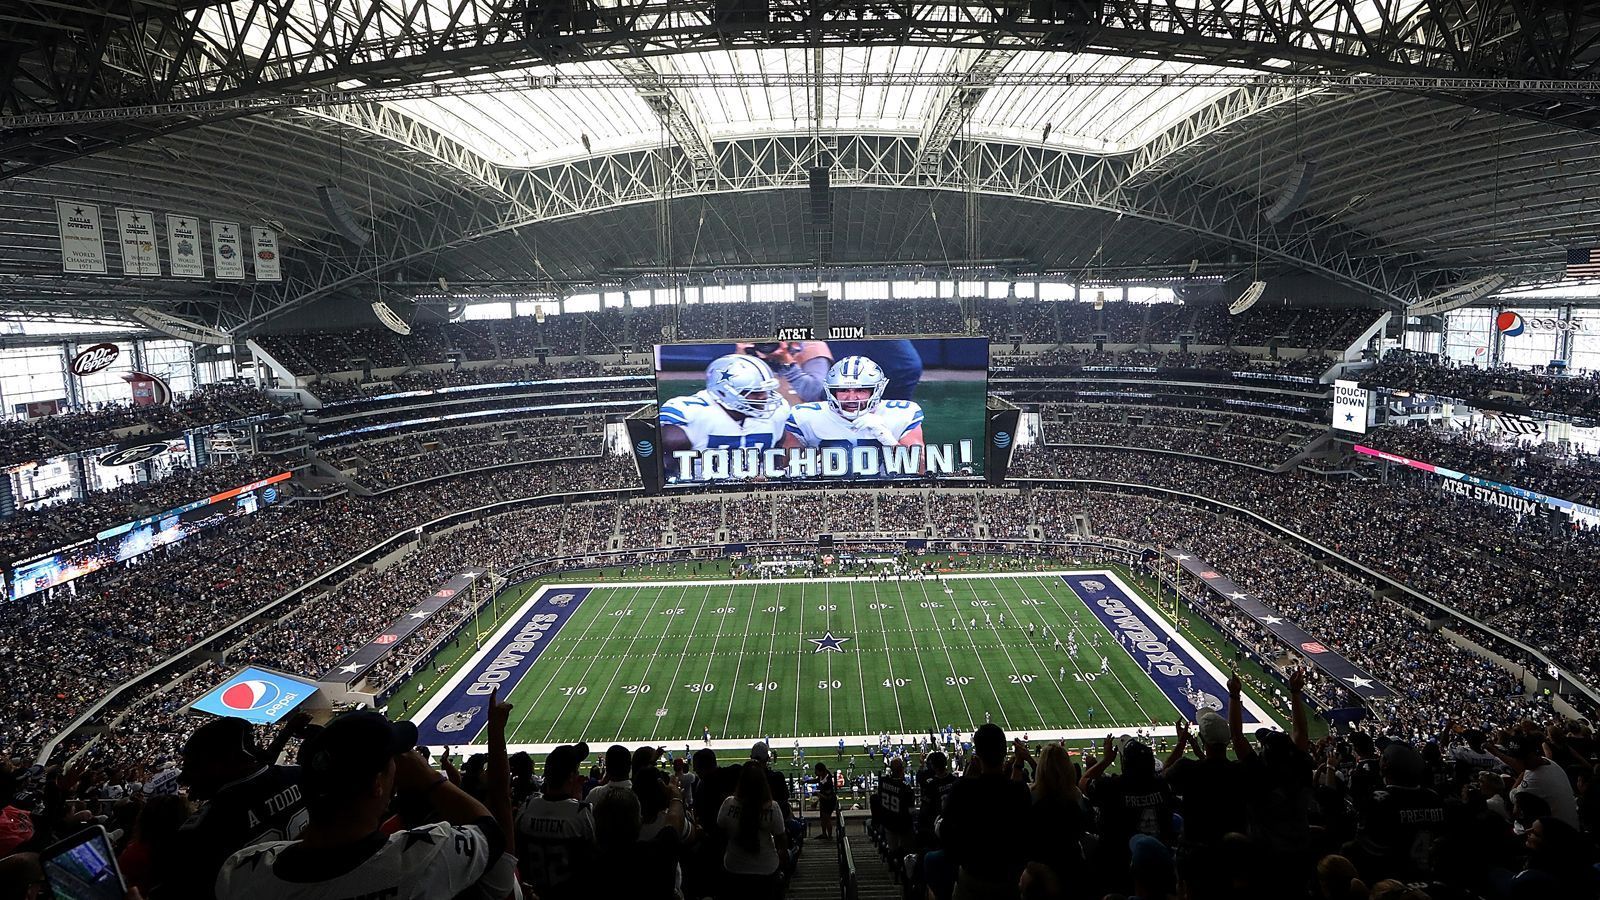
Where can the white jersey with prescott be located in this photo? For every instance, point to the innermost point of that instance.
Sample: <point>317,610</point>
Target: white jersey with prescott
<point>709,426</point>
<point>817,425</point>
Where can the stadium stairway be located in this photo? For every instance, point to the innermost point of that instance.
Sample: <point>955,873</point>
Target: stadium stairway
<point>816,872</point>
<point>874,879</point>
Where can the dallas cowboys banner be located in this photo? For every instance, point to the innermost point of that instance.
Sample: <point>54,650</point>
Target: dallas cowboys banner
<point>83,248</point>
<point>1356,680</point>
<point>136,232</point>
<point>183,246</point>
<point>352,667</point>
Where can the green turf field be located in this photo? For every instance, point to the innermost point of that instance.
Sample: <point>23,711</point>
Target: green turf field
<point>665,663</point>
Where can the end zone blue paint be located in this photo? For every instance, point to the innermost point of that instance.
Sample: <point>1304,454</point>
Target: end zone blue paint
<point>462,712</point>
<point>1172,667</point>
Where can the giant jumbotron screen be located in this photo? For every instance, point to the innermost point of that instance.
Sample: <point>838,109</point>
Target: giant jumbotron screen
<point>863,410</point>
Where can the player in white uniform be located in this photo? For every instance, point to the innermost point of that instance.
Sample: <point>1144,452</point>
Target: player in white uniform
<point>855,413</point>
<point>740,407</point>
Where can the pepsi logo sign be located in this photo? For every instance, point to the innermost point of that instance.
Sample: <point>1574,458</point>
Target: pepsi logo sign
<point>247,696</point>
<point>127,456</point>
<point>94,359</point>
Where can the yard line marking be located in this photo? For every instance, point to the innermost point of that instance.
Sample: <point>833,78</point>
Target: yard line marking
<point>1050,589</point>
<point>888,654</point>
<point>947,658</point>
<point>861,673</point>
<point>644,678</point>
<point>998,701</point>
<point>1051,676</point>
<point>618,669</point>
<point>711,659</point>
<point>561,664</point>
<point>1038,713</point>
<point>693,629</point>
<point>738,663</point>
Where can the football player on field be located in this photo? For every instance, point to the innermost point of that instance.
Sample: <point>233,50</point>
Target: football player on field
<point>739,407</point>
<point>855,413</point>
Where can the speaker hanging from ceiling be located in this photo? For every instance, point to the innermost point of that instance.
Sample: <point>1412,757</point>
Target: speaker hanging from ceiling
<point>1293,193</point>
<point>1458,295</point>
<point>390,319</point>
<point>1248,298</point>
<point>341,217</point>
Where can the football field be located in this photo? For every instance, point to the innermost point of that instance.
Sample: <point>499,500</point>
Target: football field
<point>1068,654</point>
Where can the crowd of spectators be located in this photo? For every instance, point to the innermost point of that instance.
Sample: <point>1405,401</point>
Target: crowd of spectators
<point>1576,395</point>
<point>1554,469</point>
<point>36,529</point>
<point>1521,572</point>
<point>104,424</point>
<point>1246,439</point>
<point>414,457</point>
<point>341,391</point>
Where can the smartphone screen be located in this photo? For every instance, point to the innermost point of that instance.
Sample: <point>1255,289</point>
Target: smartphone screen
<point>83,867</point>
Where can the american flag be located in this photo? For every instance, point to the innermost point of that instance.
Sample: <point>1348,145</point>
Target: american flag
<point>1583,263</point>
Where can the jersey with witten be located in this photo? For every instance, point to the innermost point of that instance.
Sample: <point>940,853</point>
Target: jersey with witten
<point>555,842</point>
<point>709,426</point>
<point>817,425</point>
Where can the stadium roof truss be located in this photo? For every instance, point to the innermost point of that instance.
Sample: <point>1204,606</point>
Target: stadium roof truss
<point>499,128</point>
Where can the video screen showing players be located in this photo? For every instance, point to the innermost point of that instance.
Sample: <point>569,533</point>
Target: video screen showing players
<point>809,410</point>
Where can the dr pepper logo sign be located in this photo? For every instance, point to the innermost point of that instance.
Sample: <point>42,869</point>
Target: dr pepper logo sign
<point>94,359</point>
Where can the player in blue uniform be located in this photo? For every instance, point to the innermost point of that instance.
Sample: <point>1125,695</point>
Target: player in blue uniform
<point>855,413</point>
<point>740,407</point>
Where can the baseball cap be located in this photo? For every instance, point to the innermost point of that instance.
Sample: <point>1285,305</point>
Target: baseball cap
<point>562,763</point>
<point>342,759</point>
<point>1524,746</point>
<point>760,753</point>
<point>1273,739</point>
<point>224,738</point>
<point>1213,728</point>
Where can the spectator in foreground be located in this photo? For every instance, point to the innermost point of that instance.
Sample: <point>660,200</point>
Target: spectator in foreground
<point>984,822</point>
<point>555,830</point>
<point>754,826</point>
<point>353,770</point>
<point>245,800</point>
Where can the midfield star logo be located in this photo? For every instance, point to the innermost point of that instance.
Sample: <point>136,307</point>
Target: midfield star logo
<point>828,642</point>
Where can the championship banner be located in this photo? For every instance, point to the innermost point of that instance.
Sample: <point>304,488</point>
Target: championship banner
<point>183,247</point>
<point>458,713</point>
<point>258,696</point>
<point>1350,403</point>
<point>227,251</point>
<point>136,234</point>
<point>264,249</point>
<point>83,247</point>
<point>1350,676</point>
<point>353,667</point>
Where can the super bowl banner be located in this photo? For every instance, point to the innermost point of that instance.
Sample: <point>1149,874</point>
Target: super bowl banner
<point>1350,403</point>
<point>1354,679</point>
<point>353,667</point>
<point>264,251</point>
<point>136,233</point>
<point>83,248</point>
<point>227,251</point>
<point>258,696</point>
<point>183,246</point>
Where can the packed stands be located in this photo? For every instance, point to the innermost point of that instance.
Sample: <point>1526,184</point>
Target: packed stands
<point>1570,395</point>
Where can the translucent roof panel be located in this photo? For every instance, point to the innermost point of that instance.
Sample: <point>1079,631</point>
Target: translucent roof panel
<point>525,128</point>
